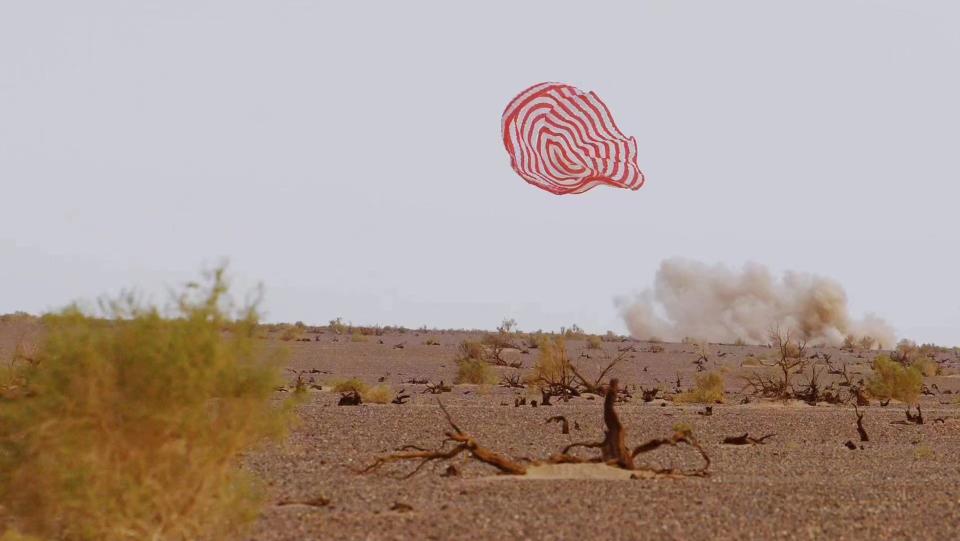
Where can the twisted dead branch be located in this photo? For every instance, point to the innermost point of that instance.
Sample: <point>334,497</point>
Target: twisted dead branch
<point>613,449</point>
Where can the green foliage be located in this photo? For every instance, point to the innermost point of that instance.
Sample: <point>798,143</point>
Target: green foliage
<point>18,317</point>
<point>750,360</point>
<point>132,424</point>
<point>927,366</point>
<point>476,371</point>
<point>470,349</point>
<point>358,336</point>
<point>378,394</point>
<point>337,326</point>
<point>291,332</point>
<point>921,357</point>
<point>347,385</point>
<point>594,342</point>
<point>573,333</point>
<point>553,365</point>
<point>708,389</point>
<point>893,380</point>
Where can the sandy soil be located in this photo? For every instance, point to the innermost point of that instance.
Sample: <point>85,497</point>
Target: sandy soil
<point>803,484</point>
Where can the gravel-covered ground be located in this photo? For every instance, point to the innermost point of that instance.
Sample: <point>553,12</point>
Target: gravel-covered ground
<point>802,484</point>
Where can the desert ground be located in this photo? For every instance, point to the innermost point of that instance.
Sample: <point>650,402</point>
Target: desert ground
<point>802,482</point>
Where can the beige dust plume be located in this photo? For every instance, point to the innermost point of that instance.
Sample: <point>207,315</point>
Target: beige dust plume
<point>691,299</point>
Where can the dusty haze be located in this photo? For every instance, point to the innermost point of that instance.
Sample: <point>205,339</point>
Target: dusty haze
<point>690,299</point>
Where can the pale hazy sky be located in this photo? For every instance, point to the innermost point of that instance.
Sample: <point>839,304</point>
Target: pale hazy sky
<point>348,154</point>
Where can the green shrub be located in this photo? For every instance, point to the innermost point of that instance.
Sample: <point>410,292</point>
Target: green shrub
<point>707,390</point>
<point>470,349</point>
<point>358,336</point>
<point>553,368</point>
<point>347,385</point>
<point>133,424</point>
<point>476,371</point>
<point>927,366</point>
<point>750,360</point>
<point>291,332</point>
<point>378,394</point>
<point>893,380</point>
<point>594,342</point>
<point>337,326</point>
<point>573,333</point>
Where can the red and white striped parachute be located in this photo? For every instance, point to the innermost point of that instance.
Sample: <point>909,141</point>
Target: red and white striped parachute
<point>565,141</point>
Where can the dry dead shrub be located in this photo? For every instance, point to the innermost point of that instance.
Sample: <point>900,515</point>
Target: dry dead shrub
<point>594,342</point>
<point>494,346</point>
<point>790,360</point>
<point>133,423</point>
<point>708,389</point>
<point>893,380</point>
<point>613,448</point>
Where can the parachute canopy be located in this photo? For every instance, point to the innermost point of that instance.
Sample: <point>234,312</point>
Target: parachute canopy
<point>565,141</point>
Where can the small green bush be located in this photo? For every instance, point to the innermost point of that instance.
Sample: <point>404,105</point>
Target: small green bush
<point>750,360</point>
<point>594,342</point>
<point>573,333</point>
<point>291,332</point>
<point>470,349</point>
<point>476,371</point>
<point>347,385</point>
<point>358,336</point>
<point>378,394</point>
<point>927,366</point>
<point>132,425</point>
<point>707,390</point>
<point>891,379</point>
<point>337,326</point>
